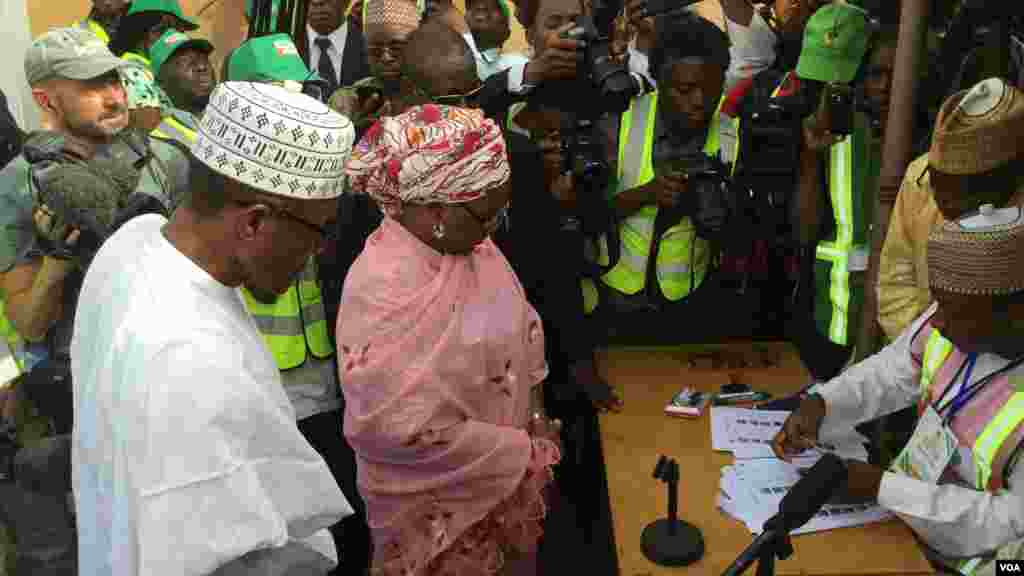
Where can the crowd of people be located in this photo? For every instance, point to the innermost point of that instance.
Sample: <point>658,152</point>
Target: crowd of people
<point>333,306</point>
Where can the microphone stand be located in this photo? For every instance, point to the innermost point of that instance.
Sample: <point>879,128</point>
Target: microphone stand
<point>771,544</point>
<point>670,541</point>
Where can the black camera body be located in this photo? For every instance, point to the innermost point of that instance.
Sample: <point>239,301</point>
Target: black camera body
<point>708,201</point>
<point>839,98</point>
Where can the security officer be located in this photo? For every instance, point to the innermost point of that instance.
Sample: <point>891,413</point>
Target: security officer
<point>295,327</point>
<point>104,18</point>
<point>183,69</point>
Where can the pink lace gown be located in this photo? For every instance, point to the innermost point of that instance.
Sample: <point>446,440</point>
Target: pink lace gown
<point>437,357</point>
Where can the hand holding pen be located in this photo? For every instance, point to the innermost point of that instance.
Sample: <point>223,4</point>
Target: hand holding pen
<point>800,431</point>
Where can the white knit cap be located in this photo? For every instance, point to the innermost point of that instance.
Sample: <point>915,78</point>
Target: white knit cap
<point>275,140</point>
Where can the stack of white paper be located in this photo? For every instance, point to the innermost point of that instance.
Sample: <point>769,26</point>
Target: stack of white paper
<point>751,491</point>
<point>752,488</point>
<point>748,434</point>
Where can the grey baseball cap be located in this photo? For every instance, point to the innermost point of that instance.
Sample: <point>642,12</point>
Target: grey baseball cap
<point>69,53</point>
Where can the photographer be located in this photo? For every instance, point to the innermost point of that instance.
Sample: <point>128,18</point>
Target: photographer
<point>62,181</point>
<point>667,139</point>
<point>839,160</point>
<point>809,119</point>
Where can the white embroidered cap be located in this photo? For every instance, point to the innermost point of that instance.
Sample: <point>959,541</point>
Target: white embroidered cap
<point>275,140</point>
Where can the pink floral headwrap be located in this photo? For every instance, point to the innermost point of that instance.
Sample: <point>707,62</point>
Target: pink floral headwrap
<point>429,154</point>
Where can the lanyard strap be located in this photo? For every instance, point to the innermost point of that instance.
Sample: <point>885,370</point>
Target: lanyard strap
<point>938,401</point>
<point>958,401</point>
<point>972,390</point>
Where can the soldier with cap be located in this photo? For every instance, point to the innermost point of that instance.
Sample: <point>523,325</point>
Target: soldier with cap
<point>960,363</point>
<point>975,159</point>
<point>183,69</point>
<point>187,456</point>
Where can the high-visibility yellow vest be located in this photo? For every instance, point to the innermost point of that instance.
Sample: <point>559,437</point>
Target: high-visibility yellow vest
<point>989,425</point>
<point>836,298</point>
<point>94,27</point>
<point>295,323</point>
<point>10,361</point>
<point>682,259</point>
<point>135,57</point>
<point>171,128</point>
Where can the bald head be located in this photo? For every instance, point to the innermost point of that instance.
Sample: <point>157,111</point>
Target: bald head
<point>437,59</point>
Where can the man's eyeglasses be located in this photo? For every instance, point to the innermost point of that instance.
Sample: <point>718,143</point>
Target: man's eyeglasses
<point>326,233</point>
<point>465,100</point>
<point>392,50</point>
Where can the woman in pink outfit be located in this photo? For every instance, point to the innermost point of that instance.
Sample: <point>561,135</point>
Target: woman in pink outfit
<point>441,356</point>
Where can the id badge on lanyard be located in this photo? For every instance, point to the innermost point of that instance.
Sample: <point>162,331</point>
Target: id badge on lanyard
<point>929,451</point>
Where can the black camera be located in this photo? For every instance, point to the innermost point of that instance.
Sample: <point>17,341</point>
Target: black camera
<point>839,99</point>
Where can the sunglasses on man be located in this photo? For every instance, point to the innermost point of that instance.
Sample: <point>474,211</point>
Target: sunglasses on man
<point>469,99</point>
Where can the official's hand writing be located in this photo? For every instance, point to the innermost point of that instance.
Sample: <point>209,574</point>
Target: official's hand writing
<point>800,431</point>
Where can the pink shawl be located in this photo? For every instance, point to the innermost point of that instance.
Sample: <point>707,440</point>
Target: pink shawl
<point>438,353</point>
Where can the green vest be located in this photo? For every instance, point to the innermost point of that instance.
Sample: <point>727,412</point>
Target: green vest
<point>171,128</point>
<point>94,27</point>
<point>838,303</point>
<point>294,323</point>
<point>679,248</point>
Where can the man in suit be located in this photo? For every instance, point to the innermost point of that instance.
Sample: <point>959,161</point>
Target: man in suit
<point>329,34</point>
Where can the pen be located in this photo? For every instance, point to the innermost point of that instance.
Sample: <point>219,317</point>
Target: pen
<point>742,397</point>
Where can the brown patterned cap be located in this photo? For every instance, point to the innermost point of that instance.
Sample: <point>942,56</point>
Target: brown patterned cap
<point>978,130</point>
<point>980,254</point>
<point>402,16</point>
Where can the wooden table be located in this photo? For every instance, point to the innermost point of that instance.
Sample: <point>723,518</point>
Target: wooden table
<point>633,440</point>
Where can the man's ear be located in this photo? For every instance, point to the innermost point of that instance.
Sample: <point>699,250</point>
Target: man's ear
<point>42,99</point>
<point>252,221</point>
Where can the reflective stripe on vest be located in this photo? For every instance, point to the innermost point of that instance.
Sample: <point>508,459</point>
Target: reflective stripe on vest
<point>837,252</point>
<point>171,129</point>
<point>987,448</point>
<point>133,57</point>
<point>94,27</point>
<point>967,567</point>
<point>679,243</point>
<point>510,124</point>
<point>10,359</point>
<point>294,323</point>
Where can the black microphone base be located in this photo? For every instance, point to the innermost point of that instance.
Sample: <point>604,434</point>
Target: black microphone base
<point>683,548</point>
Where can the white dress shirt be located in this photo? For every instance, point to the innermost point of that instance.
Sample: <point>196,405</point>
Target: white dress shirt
<point>337,38</point>
<point>956,521</point>
<point>186,458</point>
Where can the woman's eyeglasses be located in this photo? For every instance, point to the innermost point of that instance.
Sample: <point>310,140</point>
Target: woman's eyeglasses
<point>492,223</point>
